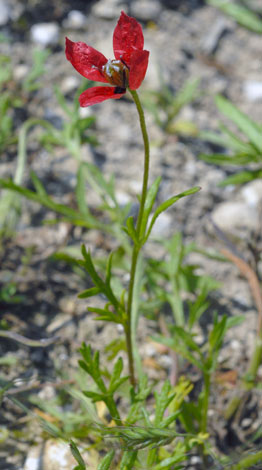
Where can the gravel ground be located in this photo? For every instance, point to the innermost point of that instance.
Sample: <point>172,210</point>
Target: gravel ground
<point>186,39</point>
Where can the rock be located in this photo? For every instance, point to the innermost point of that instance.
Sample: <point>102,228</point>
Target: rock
<point>146,10</point>
<point>108,9</point>
<point>45,34</point>
<point>122,198</point>
<point>50,456</point>
<point>252,193</point>
<point>231,216</point>
<point>162,225</point>
<point>252,90</point>
<point>75,20</point>
<point>20,72</point>
<point>70,83</point>
<point>211,41</point>
<point>5,13</point>
<point>33,458</point>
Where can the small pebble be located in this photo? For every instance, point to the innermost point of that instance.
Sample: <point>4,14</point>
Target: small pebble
<point>45,34</point>
<point>75,20</point>
<point>108,9</point>
<point>195,459</point>
<point>232,215</point>
<point>5,13</point>
<point>146,10</point>
<point>252,90</point>
<point>252,193</point>
<point>162,225</point>
<point>20,72</point>
<point>246,423</point>
<point>70,84</point>
<point>235,344</point>
<point>210,42</point>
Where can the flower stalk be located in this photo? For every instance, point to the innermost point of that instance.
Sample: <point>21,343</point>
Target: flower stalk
<point>137,247</point>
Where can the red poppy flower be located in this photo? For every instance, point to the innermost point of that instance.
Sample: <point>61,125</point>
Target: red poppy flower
<point>127,70</point>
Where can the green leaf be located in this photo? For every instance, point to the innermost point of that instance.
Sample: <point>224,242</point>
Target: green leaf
<point>235,143</point>
<point>107,315</point>
<point>186,338</point>
<point>224,159</point>
<point>234,321</point>
<point>118,367</point>
<point>39,187</point>
<point>170,461</point>
<point>81,191</point>
<point>95,396</point>
<point>76,454</point>
<point>89,293</point>
<point>243,122</point>
<point>130,229</point>
<point>244,16</point>
<point>48,202</point>
<point>109,268</point>
<point>90,364</point>
<point>242,177</point>
<point>162,401</point>
<point>128,460</point>
<point>217,334</point>
<point>165,205</point>
<point>106,461</point>
<point>96,179</point>
<point>84,123</point>
<point>99,283</point>
<point>150,200</point>
<point>181,348</point>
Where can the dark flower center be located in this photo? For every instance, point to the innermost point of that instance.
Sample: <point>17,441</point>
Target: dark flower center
<point>116,73</point>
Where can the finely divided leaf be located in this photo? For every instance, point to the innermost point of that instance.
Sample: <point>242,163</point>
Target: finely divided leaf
<point>165,205</point>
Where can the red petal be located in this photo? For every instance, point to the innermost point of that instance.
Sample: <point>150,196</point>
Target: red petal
<point>127,37</point>
<point>98,94</point>
<point>86,60</point>
<point>138,66</point>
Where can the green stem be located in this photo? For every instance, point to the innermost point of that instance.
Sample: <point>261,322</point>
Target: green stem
<point>205,402</point>
<point>255,362</point>
<point>137,247</point>
<point>248,461</point>
<point>203,426</point>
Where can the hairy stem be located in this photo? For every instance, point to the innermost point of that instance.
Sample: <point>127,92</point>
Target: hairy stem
<point>137,247</point>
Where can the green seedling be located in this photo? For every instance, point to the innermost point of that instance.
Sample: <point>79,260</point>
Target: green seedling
<point>244,15</point>
<point>32,80</point>
<point>75,129</point>
<point>245,150</point>
<point>165,105</point>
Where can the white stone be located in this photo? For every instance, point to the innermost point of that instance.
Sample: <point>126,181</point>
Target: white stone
<point>162,225</point>
<point>252,90</point>
<point>122,198</point>
<point>235,344</point>
<point>246,423</point>
<point>75,20</point>
<point>5,12</point>
<point>52,456</point>
<point>45,33</point>
<point>33,458</point>
<point>235,215</point>
<point>70,84</point>
<point>20,72</point>
<point>146,10</point>
<point>252,192</point>
<point>108,9</point>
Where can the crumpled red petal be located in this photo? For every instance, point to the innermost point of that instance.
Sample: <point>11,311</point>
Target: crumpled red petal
<point>127,38</point>
<point>98,94</point>
<point>86,60</point>
<point>138,67</point>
